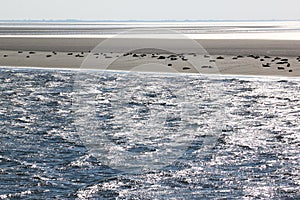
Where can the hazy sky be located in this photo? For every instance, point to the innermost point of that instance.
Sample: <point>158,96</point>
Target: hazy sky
<point>150,9</point>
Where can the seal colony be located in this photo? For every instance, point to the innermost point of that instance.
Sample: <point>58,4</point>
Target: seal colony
<point>182,63</point>
<point>220,56</point>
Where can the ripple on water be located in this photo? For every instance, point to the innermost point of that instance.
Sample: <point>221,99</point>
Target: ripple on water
<point>240,136</point>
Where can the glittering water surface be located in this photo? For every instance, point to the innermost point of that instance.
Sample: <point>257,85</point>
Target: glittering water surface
<point>114,135</point>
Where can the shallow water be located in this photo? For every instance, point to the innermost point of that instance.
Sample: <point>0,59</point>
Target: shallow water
<point>116,135</point>
<point>277,30</point>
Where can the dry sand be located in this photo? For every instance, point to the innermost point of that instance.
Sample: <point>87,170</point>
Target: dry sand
<point>241,57</point>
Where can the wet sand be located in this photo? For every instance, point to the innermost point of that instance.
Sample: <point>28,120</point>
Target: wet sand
<point>240,57</point>
<point>212,46</point>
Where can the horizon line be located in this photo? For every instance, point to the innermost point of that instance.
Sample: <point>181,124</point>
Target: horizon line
<point>108,20</point>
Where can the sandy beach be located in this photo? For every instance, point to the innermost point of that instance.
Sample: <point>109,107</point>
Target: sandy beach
<point>242,57</point>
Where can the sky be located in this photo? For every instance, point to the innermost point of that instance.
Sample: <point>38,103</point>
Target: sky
<point>150,10</point>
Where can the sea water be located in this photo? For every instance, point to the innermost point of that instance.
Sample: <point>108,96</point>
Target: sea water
<point>126,135</point>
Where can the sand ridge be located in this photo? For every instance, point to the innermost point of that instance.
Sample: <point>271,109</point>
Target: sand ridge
<point>265,65</point>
